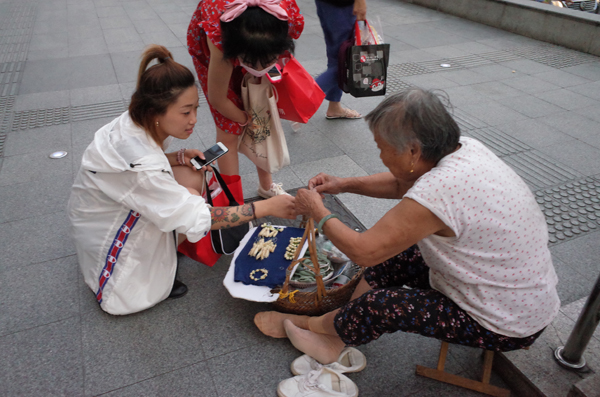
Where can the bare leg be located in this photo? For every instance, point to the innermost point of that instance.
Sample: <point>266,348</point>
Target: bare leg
<point>324,348</point>
<point>229,164</point>
<point>360,289</point>
<point>264,178</point>
<point>271,323</point>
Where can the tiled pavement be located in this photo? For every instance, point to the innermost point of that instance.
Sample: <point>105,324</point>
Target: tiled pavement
<point>68,66</point>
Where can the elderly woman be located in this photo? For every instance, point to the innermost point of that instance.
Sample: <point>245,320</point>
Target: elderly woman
<point>463,256</point>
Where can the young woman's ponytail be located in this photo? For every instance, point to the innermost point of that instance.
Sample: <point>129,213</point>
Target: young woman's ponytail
<point>158,86</point>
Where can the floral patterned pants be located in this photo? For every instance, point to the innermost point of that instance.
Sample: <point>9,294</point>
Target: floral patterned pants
<point>390,307</point>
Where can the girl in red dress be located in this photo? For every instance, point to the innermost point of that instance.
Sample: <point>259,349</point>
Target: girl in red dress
<point>228,39</point>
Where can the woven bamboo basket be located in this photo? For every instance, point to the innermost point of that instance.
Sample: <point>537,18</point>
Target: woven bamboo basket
<point>321,301</point>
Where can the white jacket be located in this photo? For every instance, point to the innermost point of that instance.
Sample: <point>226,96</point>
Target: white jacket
<point>124,206</point>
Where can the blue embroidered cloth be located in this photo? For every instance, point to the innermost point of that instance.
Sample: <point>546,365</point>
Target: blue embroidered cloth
<point>275,263</point>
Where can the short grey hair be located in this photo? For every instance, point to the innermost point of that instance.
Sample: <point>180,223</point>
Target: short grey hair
<point>418,116</point>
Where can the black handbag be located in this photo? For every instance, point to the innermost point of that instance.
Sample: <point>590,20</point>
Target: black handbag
<point>226,241</point>
<point>362,69</point>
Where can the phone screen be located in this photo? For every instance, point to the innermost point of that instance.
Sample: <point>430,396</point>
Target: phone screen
<point>212,153</point>
<point>274,73</point>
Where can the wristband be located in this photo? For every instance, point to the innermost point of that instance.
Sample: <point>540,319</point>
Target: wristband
<point>181,156</point>
<point>253,211</point>
<point>248,118</point>
<point>325,219</point>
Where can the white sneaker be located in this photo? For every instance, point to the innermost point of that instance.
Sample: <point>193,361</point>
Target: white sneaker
<point>275,190</point>
<point>321,383</point>
<point>350,360</point>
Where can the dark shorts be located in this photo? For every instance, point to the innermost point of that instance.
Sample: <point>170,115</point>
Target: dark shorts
<point>419,309</point>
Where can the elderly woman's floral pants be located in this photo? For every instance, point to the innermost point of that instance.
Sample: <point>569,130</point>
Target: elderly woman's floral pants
<point>390,307</point>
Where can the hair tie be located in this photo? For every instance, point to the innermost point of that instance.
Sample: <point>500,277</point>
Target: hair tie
<point>237,7</point>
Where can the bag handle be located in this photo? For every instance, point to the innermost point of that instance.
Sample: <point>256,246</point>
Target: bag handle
<point>232,201</point>
<point>309,234</point>
<point>357,37</point>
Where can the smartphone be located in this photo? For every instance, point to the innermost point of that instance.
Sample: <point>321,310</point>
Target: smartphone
<point>274,74</point>
<point>210,155</point>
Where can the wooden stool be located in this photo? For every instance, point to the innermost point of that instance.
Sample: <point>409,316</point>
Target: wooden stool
<point>482,387</point>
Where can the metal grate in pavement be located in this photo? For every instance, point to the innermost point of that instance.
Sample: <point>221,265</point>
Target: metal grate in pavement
<point>467,122</point>
<point>6,105</point>
<point>11,74</point>
<point>395,85</point>
<point>98,110</point>
<point>36,118</point>
<point>540,171</point>
<point>28,119</point>
<point>497,141</point>
<point>406,69</point>
<point>553,56</point>
<point>571,209</point>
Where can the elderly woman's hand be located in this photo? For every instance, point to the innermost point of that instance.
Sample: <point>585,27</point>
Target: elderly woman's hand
<point>308,202</point>
<point>282,206</point>
<point>324,183</point>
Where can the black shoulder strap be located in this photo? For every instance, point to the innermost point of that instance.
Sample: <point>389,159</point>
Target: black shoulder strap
<point>232,201</point>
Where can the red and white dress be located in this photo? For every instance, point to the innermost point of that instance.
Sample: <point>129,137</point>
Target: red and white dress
<point>205,24</point>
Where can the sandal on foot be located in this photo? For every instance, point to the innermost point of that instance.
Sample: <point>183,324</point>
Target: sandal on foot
<point>349,114</point>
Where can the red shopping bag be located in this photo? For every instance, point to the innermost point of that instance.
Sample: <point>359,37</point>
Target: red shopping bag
<point>203,251</point>
<point>298,94</point>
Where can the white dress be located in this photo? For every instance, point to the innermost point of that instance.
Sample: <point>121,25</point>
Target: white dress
<point>124,206</point>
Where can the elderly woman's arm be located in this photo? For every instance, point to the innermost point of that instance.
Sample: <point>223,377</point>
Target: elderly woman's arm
<point>402,226</point>
<point>382,185</point>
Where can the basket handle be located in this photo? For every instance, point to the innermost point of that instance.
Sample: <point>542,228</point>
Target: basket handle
<point>309,233</point>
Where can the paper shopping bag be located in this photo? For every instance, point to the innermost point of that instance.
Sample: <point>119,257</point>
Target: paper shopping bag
<point>362,68</point>
<point>263,140</point>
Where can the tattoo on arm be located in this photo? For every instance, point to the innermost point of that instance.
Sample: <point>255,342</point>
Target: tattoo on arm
<point>225,217</point>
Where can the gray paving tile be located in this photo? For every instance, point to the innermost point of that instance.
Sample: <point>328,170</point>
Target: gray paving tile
<point>566,99</point>
<point>27,200</point>
<point>492,112</point>
<point>496,90</point>
<point>474,47</point>
<point>573,124</point>
<point>430,81</point>
<point>591,90</point>
<point>590,71</point>
<point>93,95</point>
<point>144,13</point>
<point>115,10</point>
<point>42,100</point>
<point>367,209</point>
<point>45,139</point>
<point>18,169</point>
<point>534,133</point>
<point>43,361</point>
<point>561,78</point>
<point>195,380</point>
<point>527,66</point>
<point>255,374</point>
<point>572,285</point>
<point>530,106</point>
<point>115,22</point>
<point>38,55</point>
<point>150,25</point>
<point>49,41</point>
<point>147,345</point>
<point>46,237</point>
<point>495,72</point>
<point>175,17</point>
<point>89,46</point>
<point>341,166</point>
<point>91,71</point>
<point>306,146</point>
<point>79,33</point>
<point>424,36</point>
<point>126,65</point>
<point>165,38</point>
<point>466,77</point>
<point>38,294</point>
<point>448,52</point>
<point>576,155</point>
<point>530,84</point>
<point>45,75</point>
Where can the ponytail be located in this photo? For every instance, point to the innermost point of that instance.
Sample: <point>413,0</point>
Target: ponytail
<point>158,86</point>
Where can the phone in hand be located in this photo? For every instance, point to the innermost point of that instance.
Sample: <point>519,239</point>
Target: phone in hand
<point>274,74</point>
<point>213,153</point>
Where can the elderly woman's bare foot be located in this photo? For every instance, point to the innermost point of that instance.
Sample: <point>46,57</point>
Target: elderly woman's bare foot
<point>271,323</point>
<point>323,348</point>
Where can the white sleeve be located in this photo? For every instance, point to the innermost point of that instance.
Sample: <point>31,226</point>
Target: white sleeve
<point>168,205</point>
